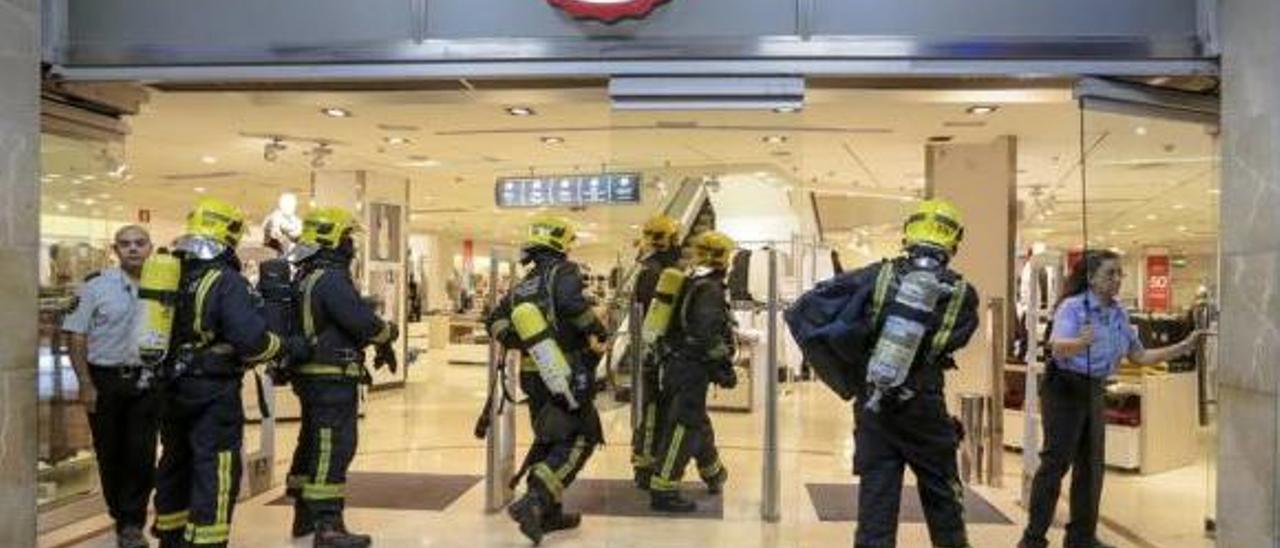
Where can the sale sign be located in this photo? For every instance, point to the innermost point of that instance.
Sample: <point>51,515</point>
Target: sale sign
<point>1158,286</point>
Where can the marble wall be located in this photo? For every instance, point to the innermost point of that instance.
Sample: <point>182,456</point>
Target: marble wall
<point>1250,329</point>
<point>19,229</point>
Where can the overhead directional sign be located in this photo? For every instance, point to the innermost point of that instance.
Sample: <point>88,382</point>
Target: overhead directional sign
<point>568,190</point>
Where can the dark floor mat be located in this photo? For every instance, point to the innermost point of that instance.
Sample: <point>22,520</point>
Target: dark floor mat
<point>395,491</point>
<point>839,502</point>
<point>608,497</point>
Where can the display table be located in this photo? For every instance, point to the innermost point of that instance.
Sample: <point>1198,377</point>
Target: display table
<point>1160,436</point>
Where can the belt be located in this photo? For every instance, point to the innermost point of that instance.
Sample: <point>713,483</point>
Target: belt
<point>355,370</point>
<point>121,370</point>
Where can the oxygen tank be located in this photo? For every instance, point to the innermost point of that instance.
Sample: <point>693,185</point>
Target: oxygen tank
<point>658,319</point>
<point>276,289</point>
<point>540,344</point>
<point>158,294</point>
<point>901,335</point>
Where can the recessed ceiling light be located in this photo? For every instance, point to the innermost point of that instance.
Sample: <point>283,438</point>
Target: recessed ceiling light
<point>1215,191</point>
<point>396,140</point>
<point>199,190</point>
<point>62,207</point>
<point>209,159</point>
<point>88,178</point>
<point>1130,227</point>
<point>54,176</point>
<point>551,140</point>
<point>982,109</point>
<point>89,201</point>
<point>1140,131</point>
<point>1182,228</point>
<point>787,110</point>
<point>1179,206</point>
<point>774,139</point>
<point>521,111</point>
<point>1152,217</point>
<point>335,112</point>
<point>104,196</point>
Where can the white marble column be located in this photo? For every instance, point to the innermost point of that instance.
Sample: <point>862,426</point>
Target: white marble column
<point>19,231</point>
<point>1249,352</point>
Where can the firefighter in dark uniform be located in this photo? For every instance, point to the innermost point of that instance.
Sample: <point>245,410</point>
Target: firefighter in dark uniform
<point>698,349</point>
<point>337,324</point>
<point>662,252</point>
<point>217,334</point>
<point>911,426</point>
<point>566,433</point>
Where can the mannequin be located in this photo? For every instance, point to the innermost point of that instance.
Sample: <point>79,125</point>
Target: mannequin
<point>283,226</point>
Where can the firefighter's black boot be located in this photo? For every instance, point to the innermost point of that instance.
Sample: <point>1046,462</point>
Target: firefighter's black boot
<point>528,512</point>
<point>670,502</point>
<point>302,521</point>
<point>643,473</point>
<point>715,484</point>
<point>556,519</point>
<point>334,534</point>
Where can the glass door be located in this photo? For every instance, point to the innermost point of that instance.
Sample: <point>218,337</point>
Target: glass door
<point>1150,193</point>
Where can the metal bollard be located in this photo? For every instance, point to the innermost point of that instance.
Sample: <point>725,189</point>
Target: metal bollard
<point>973,414</point>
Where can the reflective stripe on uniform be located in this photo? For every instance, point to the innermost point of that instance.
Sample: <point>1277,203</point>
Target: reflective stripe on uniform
<point>650,417</point>
<point>319,487</point>
<point>883,281</point>
<point>202,292</point>
<point>325,370</point>
<point>579,445</point>
<point>273,348</point>
<point>223,516</point>
<point>550,480</point>
<point>712,470</point>
<point>308,321</point>
<point>663,481</point>
<point>949,320</point>
<point>207,534</point>
<point>172,521</point>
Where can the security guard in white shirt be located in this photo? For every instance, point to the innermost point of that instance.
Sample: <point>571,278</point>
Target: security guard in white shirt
<point>122,408</point>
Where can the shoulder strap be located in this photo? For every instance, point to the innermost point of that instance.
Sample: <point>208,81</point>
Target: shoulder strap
<point>207,281</point>
<point>883,280</point>
<point>308,320</point>
<point>949,319</point>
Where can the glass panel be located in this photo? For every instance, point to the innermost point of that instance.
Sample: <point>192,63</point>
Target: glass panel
<point>1151,197</point>
<point>78,219</point>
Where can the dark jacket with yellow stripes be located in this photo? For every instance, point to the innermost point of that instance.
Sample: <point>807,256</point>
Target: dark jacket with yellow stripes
<point>556,285</point>
<point>336,321</point>
<point>217,319</point>
<point>703,331</point>
<point>954,322</point>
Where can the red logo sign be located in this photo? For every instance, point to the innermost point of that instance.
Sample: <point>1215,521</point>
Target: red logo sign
<point>609,11</point>
<point>1158,293</point>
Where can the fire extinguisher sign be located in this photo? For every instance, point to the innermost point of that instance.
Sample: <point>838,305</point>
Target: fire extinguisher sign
<point>1158,289</point>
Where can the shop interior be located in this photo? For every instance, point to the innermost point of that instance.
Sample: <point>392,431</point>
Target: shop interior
<point>446,174</point>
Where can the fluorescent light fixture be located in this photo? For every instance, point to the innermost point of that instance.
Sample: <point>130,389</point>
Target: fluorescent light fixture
<point>776,93</point>
<point>335,112</point>
<point>421,163</point>
<point>980,110</point>
<point>552,140</point>
<point>787,110</point>
<point>521,111</point>
<point>396,141</point>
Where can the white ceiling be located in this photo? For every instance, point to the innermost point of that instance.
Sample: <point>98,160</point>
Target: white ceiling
<point>860,144</point>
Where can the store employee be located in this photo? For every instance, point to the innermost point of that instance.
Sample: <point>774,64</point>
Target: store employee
<point>122,412</point>
<point>1091,335</point>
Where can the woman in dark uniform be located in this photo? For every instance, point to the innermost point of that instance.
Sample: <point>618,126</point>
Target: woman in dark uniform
<point>1091,334</point>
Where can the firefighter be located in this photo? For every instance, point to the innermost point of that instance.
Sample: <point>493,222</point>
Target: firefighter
<point>217,334</point>
<point>698,349</point>
<point>901,413</point>
<point>338,324</point>
<point>557,372</point>
<point>661,252</point>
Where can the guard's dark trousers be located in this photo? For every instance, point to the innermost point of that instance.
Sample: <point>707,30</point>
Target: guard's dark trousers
<point>917,433</point>
<point>124,425</point>
<point>1074,435</point>
<point>199,476</point>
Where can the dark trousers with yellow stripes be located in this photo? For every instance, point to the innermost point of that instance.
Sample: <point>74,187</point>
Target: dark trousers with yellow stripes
<point>917,433</point>
<point>644,438</point>
<point>326,444</point>
<point>201,428</point>
<point>555,459</point>
<point>686,432</point>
